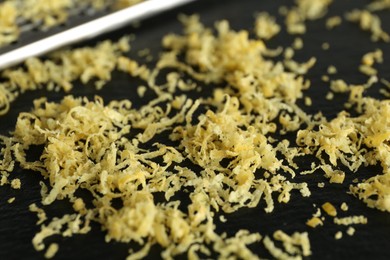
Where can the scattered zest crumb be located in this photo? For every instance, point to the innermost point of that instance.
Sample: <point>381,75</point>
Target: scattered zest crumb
<point>325,46</point>
<point>141,91</point>
<point>16,184</point>
<point>317,213</point>
<point>350,231</point>
<point>222,218</point>
<point>344,206</point>
<point>332,70</point>
<point>333,22</point>
<point>308,101</point>
<point>297,43</point>
<point>51,251</point>
<point>325,78</point>
<point>329,96</point>
<point>338,235</point>
<point>329,209</point>
<point>314,222</point>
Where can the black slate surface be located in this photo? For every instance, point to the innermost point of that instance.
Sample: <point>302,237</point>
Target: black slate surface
<point>348,43</point>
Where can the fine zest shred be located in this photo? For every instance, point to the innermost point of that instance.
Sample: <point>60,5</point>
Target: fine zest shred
<point>351,220</point>
<point>86,148</point>
<point>378,5</point>
<point>368,60</point>
<point>302,11</point>
<point>295,246</point>
<point>62,69</point>
<point>369,22</point>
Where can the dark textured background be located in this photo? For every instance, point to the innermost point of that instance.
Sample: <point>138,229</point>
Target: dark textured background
<point>348,44</point>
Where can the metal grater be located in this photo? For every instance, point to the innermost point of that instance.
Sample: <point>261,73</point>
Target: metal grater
<point>87,30</point>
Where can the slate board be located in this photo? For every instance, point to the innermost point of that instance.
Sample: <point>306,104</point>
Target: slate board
<point>348,44</point>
